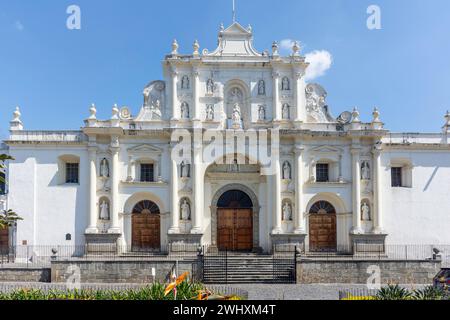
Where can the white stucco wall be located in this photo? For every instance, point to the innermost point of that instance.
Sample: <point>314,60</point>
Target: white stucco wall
<point>50,210</point>
<point>421,214</point>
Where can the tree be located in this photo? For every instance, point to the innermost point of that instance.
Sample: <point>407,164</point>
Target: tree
<point>8,217</point>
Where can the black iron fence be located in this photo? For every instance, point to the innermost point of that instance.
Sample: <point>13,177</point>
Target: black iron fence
<point>42,255</point>
<point>227,267</point>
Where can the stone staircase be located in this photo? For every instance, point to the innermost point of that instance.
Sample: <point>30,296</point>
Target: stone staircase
<point>248,268</point>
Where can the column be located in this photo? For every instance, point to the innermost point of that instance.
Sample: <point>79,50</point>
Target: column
<point>300,96</point>
<point>175,106</point>
<point>276,98</point>
<point>175,227</point>
<point>92,191</point>
<point>160,168</point>
<point>276,178</point>
<point>299,222</point>
<point>377,189</point>
<point>356,165</point>
<point>195,92</point>
<point>198,190</point>
<point>115,190</point>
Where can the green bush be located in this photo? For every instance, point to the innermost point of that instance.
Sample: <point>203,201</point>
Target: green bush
<point>393,292</point>
<point>185,291</point>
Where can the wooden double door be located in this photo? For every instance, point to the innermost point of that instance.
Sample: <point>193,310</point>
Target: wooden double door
<point>322,232</point>
<point>146,232</point>
<point>235,229</point>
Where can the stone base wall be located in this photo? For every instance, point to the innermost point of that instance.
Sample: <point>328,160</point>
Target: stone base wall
<point>356,272</point>
<point>122,271</point>
<point>25,275</point>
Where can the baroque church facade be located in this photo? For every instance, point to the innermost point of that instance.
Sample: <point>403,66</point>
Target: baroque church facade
<point>233,149</point>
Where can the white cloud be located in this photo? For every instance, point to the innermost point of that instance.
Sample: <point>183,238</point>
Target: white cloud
<point>320,61</point>
<point>19,26</point>
<point>286,44</point>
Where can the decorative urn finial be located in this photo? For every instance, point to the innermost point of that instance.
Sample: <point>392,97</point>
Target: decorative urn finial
<point>16,123</point>
<point>249,28</point>
<point>93,112</point>
<point>275,49</point>
<point>355,115</point>
<point>296,49</point>
<point>17,114</point>
<point>196,47</point>
<point>376,115</point>
<point>222,28</point>
<point>175,47</point>
<point>115,119</point>
<point>447,119</point>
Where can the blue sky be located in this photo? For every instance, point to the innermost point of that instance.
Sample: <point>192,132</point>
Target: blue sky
<point>54,74</point>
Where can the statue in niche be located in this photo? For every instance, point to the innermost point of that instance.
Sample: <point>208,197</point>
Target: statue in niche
<point>365,212</point>
<point>210,86</point>
<point>185,210</point>
<point>209,112</point>
<point>287,212</point>
<point>104,210</point>
<point>185,169</point>
<point>184,110</point>
<point>365,170</point>
<point>286,171</point>
<point>234,167</point>
<point>285,85</point>
<point>236,116</point>
<point>261,88</point>
<point>185,82</point>
<point>286,112</point>
<point>262,113</point>
<point>104,168</point>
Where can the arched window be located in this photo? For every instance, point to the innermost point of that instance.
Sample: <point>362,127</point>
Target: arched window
<point>146,207</point>
<point>235,199</point>
<point>322,207</point>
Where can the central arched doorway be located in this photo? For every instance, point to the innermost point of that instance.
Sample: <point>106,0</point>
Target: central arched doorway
<point>146,226</point>
<point>235,221</point>
<point>322,227</point>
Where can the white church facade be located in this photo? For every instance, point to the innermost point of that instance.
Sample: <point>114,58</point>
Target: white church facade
<point>232,149</point>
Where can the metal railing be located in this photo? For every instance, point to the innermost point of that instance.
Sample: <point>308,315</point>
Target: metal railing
<point>41,256</point>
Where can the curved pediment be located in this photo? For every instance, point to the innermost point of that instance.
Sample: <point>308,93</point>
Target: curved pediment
<point>235,41</point>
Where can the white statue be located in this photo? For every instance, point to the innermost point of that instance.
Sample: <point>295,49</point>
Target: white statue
<point>287,212</point>
<point>286,171</point>
<point>185,211</point>
<point>261,88</point>
<point>365,171</point>
<point>234,167</point>
<point>185,82</point>
<point>184,110</point>
<point>104,210</point>
<point>261,113</point>
<point>285,86</point>
<point>236,115</point>
<point>286,112</point>
<point>184,170</point>
<point>210,86</point>
<point>365,212</point>
<point>209,113</point>
<point>104,168</point>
